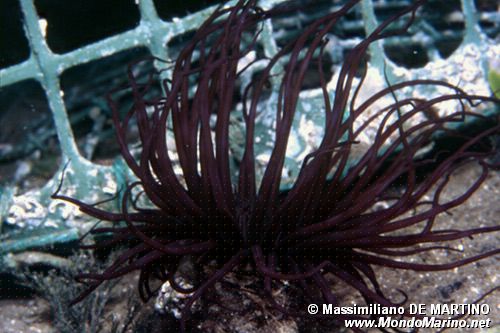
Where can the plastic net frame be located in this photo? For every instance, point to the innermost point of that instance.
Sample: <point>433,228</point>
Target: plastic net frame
<point>42,221</point>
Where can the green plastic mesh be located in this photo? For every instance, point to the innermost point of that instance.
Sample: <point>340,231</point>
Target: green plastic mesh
<point>34,220</point>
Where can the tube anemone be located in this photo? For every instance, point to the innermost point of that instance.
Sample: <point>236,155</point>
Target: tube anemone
<point>325,226</point>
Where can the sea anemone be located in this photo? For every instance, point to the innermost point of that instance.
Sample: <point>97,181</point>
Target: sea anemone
<point>346,212</point>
